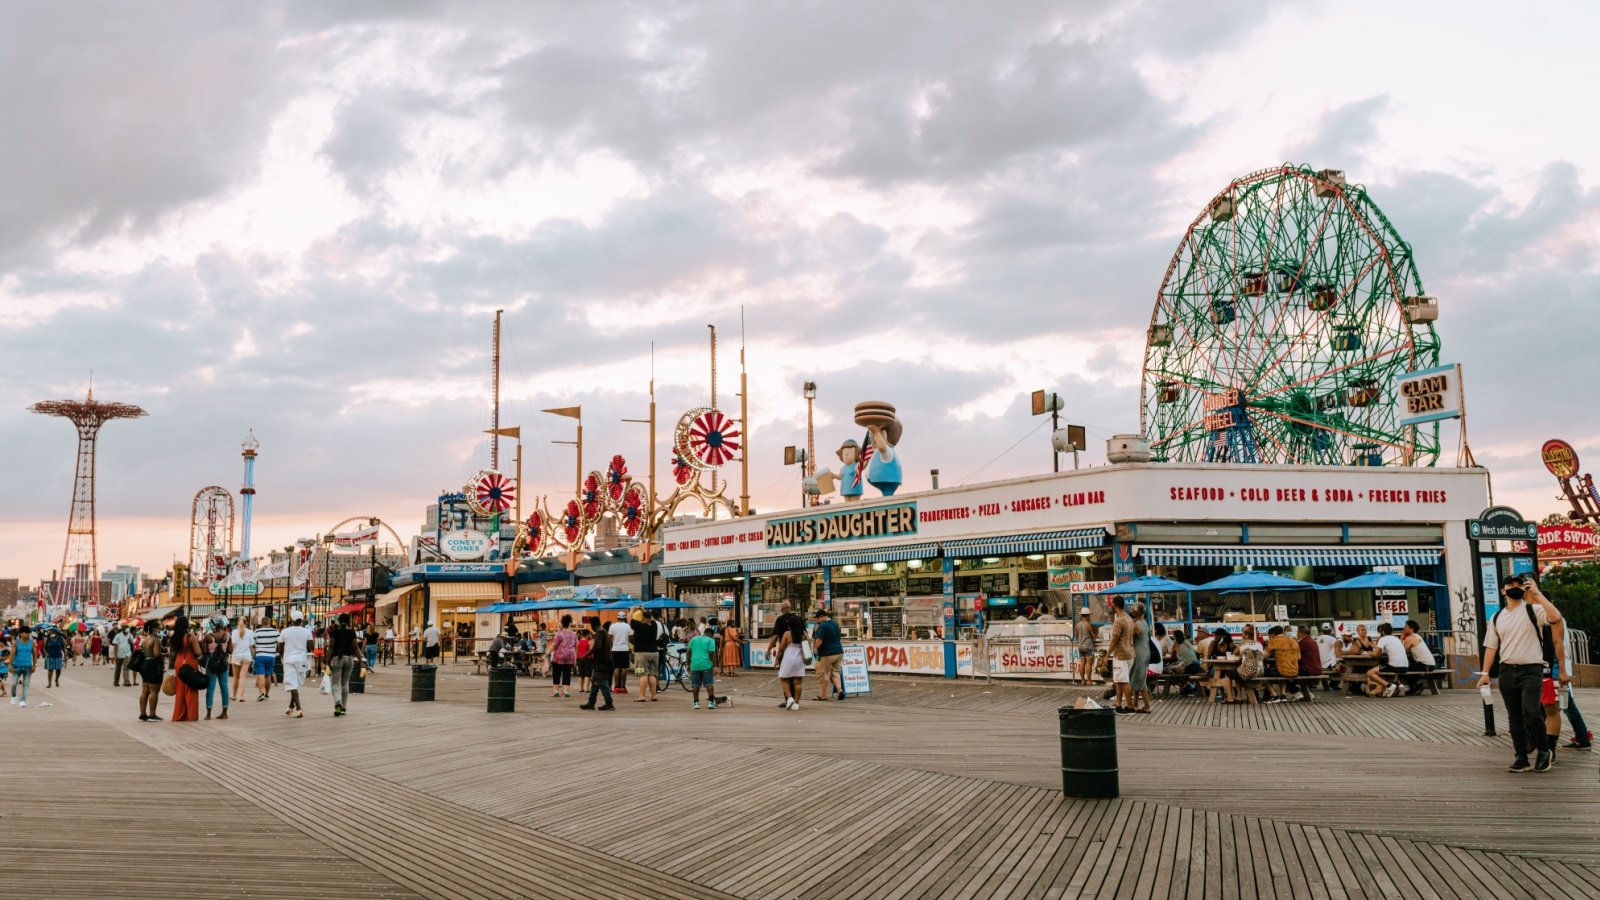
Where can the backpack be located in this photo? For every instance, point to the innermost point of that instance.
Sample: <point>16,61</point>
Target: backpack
<point>216,662</point>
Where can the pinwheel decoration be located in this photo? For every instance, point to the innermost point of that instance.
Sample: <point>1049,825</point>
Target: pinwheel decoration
<point>616,480</point>
<point>682,472</point>
<point>635,500</point>
<point>572,523</point>
<point>537,535</point>
<point>709,438</point>
<point>491,493</point>
<point>592,501</point>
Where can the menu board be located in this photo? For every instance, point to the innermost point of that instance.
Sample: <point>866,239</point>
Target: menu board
<point>888,622</point>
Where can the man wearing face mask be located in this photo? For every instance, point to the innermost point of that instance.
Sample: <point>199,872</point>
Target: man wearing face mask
<point>1516,638</point>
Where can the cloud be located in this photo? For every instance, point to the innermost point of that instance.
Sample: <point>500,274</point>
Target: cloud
<point>300,219</point>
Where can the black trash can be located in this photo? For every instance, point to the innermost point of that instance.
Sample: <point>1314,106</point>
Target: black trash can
<point>502,689</point>
<point>422,680</point>
<point>1088,752</point>
<point>358,681</point>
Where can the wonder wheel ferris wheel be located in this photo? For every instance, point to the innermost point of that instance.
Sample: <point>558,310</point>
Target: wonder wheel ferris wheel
<point>1286,316</point>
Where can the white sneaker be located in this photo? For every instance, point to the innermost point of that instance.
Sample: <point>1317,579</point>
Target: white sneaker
<point>794,704</point>
<point>13,701</point>
<point>23,704</point>
<point>1391,690</point>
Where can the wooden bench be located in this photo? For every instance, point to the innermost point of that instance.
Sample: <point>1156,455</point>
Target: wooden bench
<point>480,663</point>
<point>1166,681</point>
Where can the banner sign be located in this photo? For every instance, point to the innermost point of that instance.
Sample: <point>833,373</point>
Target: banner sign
<point>1429,395</point>
<point>352,541</point>
<point>853,671</point>
<point>279,569</point>
<point>846,525</point>
<point>1565,541</point>
<point>358,580</point>
<point>464,544</point>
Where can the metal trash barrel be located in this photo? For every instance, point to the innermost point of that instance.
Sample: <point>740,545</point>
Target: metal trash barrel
<point>358,681</point>
<point>1088,752</point>
<point>422,681</point>
<point>502,689</point>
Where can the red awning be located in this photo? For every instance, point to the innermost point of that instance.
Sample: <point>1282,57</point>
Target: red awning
<point>348,608</point>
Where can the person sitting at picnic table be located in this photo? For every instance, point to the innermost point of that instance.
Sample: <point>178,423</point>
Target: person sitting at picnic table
<point>500,648</point>
<point>1252,662</point>
<point>1185,660</point>
<point>1221,647</point>
<point>1421,655</point>
<point>1363,644</point>
<point>1284,661</point>
<point>1310,653</point>
<point>1392,651</point>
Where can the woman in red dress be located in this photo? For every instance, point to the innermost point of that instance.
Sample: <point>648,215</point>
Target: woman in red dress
<point>185,650</point>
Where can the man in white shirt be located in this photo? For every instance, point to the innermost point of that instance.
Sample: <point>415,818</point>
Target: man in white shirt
<point>296,641</point>
<point>1392,652</point>
<point>1327,645</point>
<point>1515,639</point>
<point>430,642</point>
<point>620,632</point>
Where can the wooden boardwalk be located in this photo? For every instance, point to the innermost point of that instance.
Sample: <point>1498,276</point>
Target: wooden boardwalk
<point>926,789</point>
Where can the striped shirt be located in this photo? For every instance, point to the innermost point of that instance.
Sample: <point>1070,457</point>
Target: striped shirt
<point>266,641</point>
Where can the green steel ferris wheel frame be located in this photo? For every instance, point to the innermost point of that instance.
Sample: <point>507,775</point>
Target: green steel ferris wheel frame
<point>1285,318</point>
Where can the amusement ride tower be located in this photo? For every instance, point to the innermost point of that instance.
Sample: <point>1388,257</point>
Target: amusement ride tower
<point>78,581</point>
<point>247,492</point>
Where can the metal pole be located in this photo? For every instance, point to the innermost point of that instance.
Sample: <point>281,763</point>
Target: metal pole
<point>494,442</point>
<point>1055,426</point>
<point>519,477</point>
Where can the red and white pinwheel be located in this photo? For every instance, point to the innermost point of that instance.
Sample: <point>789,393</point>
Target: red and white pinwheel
<point>712,439</point>
<point>491,493</point>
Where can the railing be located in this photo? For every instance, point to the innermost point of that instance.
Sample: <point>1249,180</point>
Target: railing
<point>1580,647</point>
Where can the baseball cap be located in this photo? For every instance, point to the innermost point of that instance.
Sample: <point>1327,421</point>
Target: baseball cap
<point>1327,628</point>
<point>296,614</point>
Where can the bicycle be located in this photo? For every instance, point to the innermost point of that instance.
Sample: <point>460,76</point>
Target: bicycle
<point>675,667</point>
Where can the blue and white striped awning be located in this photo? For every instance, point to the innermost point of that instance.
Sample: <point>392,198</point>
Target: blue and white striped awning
<point>780,563</point>
<point>1288,556</point>
<point>700,570</point>
<point>880,554</point>
<point>1043,542</point>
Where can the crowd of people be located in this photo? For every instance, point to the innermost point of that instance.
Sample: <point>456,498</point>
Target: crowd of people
<point>184,658</point>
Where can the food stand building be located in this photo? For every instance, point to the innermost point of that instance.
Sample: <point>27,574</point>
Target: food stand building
<point>920,578</point>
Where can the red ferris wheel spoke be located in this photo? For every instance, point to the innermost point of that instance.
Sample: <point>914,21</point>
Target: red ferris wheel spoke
<point>1310,378</point>
<point>1322,426</point>
<point>1321,316</point>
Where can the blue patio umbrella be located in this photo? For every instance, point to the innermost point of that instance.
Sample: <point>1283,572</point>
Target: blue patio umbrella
<point>666,603</point>
<point>1253,583</point>
<point>1149,584</point>
<point>1374,581</point>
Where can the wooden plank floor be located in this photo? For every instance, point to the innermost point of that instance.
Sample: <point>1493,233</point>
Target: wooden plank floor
<point>926,789</point>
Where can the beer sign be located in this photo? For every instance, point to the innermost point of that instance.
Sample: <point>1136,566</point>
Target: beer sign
<point>1429,395</point>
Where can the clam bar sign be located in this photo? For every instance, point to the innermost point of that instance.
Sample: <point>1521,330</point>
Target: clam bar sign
<point>1429,395</point>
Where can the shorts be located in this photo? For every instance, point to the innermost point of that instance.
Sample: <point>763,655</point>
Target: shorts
<point>828,667</point>
<point>702,678</point>
<point>264,665</point>
<point>431,651</point>
<point>1387,669</point>
<point>1120,668</point>
<point>650,663</point>
<point>619,660</point>
<point>585,666</point>
<point>1547,692</point>
<point>294,674</point>
<point>151,671</point>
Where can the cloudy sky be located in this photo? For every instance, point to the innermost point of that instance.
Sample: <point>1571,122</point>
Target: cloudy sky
<point>299,218</point>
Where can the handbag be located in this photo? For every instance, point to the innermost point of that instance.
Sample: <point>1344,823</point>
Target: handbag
<point>169,684</point>
<point>191,676</point>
